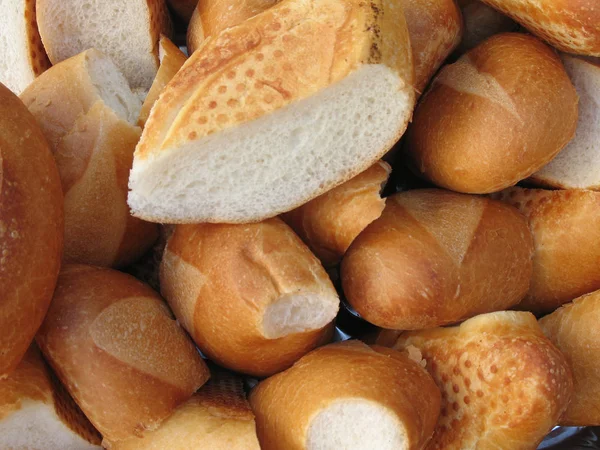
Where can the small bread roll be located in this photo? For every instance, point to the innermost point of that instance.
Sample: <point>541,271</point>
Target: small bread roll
<point>253,297</point>
<point>348,396</point>
<point>31,229</point>
<point>567,244</point>
<point>573,328</point>
<point>115,346</point>
<point>493,118</point>
<point>504,385</point>
<point>329,223</point>
<point>480,23</point>
<point>436,257</point>
<point>36,413</point>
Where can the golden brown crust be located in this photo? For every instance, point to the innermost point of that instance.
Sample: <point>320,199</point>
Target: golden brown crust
<point>195,33</point>
<point>566,241</point>
<point>504,385</point>
<point>286,403</point>
<point>487,93</point>
<point>329,223</point>
<point>37,53</point>
<point>31,229</point>
<point>112,342</point>
<point>427,260</point>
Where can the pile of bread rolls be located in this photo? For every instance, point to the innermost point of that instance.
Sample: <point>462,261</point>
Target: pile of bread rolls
<point>192,193</point>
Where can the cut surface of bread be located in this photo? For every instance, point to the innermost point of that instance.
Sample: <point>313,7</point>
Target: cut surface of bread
<point>257,122</point>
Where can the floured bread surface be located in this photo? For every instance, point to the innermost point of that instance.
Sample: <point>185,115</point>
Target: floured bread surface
<point>257,122</point>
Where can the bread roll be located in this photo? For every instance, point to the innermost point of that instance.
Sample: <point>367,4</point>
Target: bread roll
<point>31,229</point>
<point>490,120</point>
<point>171,60</point>
<point>570,26</point>
<point>217,417</point>
<point>504,385</point>
<point>87,112</point>
<point>279,301</point>
<point>435,28</point>
<point>37,414</point>
<point>574,330</point>
<point>127,31</point>
<point>183,8</point>
<point>578,165</point>
<point>566,262</point>
<point>22,55</point>
<point>113,343</point>
<point>329,223</point>
<point>436,257</point>
<point>256,123</point>
<point>480,23</point>
<point>347,395</point>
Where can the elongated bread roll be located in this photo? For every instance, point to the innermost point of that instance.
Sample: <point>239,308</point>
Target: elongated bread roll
<point>87,112</point>
<point>31,229</point>
<point>36,413</point>
<point>573,328</point>
<point>504,385</point>
<point>566,262</point>
<point>490,120</point>
<point>253,297</point>
<point>570,26</point>
<point>480,23</point>
<point>113,343</point>
<point>257,123</point>
<point>436,257</point>
<point>347,395</point>
<point>22,55</point>
<point>329,223</point>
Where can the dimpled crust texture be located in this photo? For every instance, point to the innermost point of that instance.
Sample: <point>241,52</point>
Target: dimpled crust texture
<point>31,229</point>
<point>497,115</point>
<point>574,329</point>
<point>113,343</point>
<point>504,385</point>
<point>567,244</point>
<point>277,86</point>
<point>427,260</point>
<point>220,279</point>
<point>286,404</point>
<point>572,26</point>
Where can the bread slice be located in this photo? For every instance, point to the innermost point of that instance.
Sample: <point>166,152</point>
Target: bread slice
<point>127,31</point>
<point>274,112</point>
<point>578,165</point>
<point>22,55</point>
<point>36,413</point>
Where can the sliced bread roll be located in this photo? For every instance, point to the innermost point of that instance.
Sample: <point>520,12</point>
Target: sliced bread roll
<point>36,413</point>
<point>573,328</point>
<point>253,297</point>
<point>257,123</point>
<point>31,229</point>
<point>566,261</point>
<point>436,257</point>
<point>22,55</point>
<point>490,120</point>
<point>88,114</point>
<point>115,346</point>
<point>576,167</point>
<point>329,223</point>
<point>126,30</point>
<point>347,396</point>
<point>504,385</point>
<point>481,22</point>
<point>570,26</point>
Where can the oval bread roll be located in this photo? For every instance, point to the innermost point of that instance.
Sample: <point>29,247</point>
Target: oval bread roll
<point>490,120</point>
<point>573,328</point>
<point>347,395</point>
<point>37,414</point>
<point>504,385</point>
<point>436,257</point>
<point>480,23</point>
<point>114,344</point>
<point>253,297</point>
<point>566,261</point>
<point>31,229</point>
